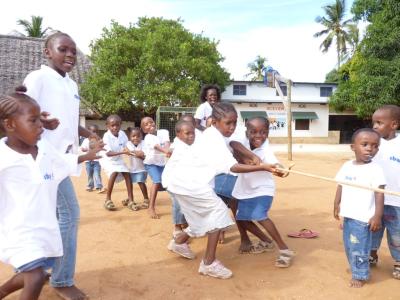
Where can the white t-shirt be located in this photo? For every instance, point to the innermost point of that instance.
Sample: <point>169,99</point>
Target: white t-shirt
<point>58,96</point>
<point>194,173</point>
<point>260,183</point>
<point>135,163</point>
<point>357,203</point>
<point>29,228</point>
<point>388,158</point>
<point>115,143</point>
<point>153,156</point>
<point>85,146</point>
<point>203,112</point>
<point>179,152</point>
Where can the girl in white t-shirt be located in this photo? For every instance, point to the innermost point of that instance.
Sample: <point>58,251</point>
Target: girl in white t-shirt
<point>115,145</point>
<point>156,149</point>
<point>255,191</point>
<point>191,181</point>
<point>135,145</point>
<point>30,171</point>
<point>209,95</point>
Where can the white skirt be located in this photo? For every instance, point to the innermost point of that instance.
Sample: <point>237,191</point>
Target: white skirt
<point>204,214</point>
<point>114,166</point>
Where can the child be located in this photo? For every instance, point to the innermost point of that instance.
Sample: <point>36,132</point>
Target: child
<point>209,95</point>
<point>191,182</point>
<point>361,209</point>
<point>93,168</point>
<point>256,190</point>
<point>190,118</point>
<point>30,171</point>
<point>58,97</point>
<point>386,121</point>
<point>115,142</point>
<point>156,149</point>
<point>185,137</point>
<point>135,146</point>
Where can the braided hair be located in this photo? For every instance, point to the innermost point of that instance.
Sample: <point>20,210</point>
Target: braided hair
<point>11,104</point>
<point>221,109</point>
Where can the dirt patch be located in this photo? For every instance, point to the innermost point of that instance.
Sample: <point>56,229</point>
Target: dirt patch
<point>122,255</point>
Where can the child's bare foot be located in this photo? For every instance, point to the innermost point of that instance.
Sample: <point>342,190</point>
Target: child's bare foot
<point>221,238</point>
<point>354,283</point>
<point>152,213</point>
<point>245,247</point>
<point>70,293</point>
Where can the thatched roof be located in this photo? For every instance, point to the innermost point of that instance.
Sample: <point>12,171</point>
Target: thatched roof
<point>21,55</point>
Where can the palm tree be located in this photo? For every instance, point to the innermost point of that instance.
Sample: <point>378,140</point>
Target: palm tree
<point>33,28</point>
<point>335,28</point>
<point>257,68</point>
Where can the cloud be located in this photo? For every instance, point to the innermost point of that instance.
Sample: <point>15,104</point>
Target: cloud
<point>293,51</point>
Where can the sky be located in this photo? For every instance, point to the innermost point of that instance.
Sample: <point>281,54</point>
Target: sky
<point>280,30</point>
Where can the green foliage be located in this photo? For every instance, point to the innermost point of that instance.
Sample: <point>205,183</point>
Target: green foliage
<point>155,62</point>
<point>332,76</point>
<point>373,74</point>
<point>256,68</point>
<point>364,9</point>
<point>33,28</point>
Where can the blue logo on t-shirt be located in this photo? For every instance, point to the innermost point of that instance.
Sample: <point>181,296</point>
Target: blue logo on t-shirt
<point>48,176</point>
<point>394,158</point>
<point>77,97</point>
<point>350,178</point>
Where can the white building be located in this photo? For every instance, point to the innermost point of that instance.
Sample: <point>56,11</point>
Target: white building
<point>310,109</point>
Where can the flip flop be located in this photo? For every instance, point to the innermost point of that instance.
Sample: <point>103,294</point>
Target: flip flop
<point>304,233</point>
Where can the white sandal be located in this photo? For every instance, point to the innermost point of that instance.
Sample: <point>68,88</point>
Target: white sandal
<point>284,259</point>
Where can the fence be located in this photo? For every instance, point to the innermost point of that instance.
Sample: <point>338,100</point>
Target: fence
<point>168,116</point>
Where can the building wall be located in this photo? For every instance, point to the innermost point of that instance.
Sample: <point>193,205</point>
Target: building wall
<point>318,128</point>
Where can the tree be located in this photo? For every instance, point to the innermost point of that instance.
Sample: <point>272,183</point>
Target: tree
<point>33,28</point>
<point>155,62</point>
<point>364,9</point>
<point>335,28</point>
<point>373,77</point>
<point>256,68</point>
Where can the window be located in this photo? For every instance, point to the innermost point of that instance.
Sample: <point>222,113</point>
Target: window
<point>239,89</point>
<point>325,91</point>
<point>284,90</point>
<point>302,124</point>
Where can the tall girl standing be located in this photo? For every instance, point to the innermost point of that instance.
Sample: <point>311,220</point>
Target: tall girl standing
<point>57,95</point>
<point>209,95</point>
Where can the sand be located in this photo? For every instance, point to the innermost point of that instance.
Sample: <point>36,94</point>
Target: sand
<point>122,255</point>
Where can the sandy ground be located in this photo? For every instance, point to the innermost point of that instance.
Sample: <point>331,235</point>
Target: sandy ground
<point>122,255</point>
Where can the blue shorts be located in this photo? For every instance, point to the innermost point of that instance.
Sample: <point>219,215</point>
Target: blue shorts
<point>139,177</point>
<point>224,184</point>
<point>45,263</point>
<point>254,209</point>
<point>155,172</point>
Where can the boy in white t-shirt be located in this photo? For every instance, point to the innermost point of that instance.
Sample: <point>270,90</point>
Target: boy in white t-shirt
<point>361,209</point>
<point>386,122</point>
<point>93,168</point>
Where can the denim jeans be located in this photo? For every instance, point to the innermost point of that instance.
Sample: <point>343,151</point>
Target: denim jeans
<point>93,171</point>
<point>357,244</point>
<point>390,221</point>
<point>177,215</point>
<point>68,219</point>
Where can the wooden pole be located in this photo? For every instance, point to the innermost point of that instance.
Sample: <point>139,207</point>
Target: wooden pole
<point>289,118</point>
<point>340,182</point>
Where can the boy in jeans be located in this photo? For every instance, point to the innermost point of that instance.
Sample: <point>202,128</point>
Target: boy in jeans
<point>361,209</point>
<point>93,168</point>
